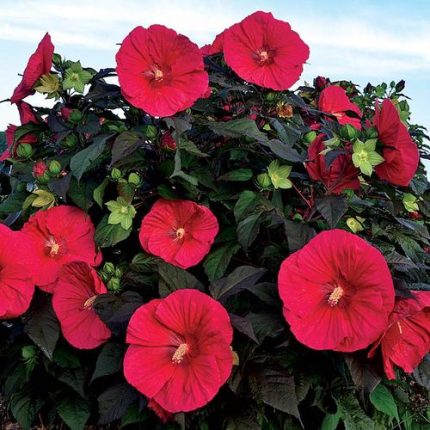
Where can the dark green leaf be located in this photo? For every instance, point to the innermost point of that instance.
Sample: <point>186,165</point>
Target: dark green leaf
<point>191,148</point>
<point>43,329</point>
<point>60,186</point>
<point>66,357</point>
<point>74,411</point>
<point>364,373</point>
<point>114,402</point>
<point>284,151</point>
<point>99,192</point>
<point>248,229</point>
<point>330,421</point>
<point>298,234</point>
<point>352,415</point>
<point>172,278</point>
<point>74,378</point>
<point>24,406</point>
<point>13,203</point>
<point>109,361</point>
<point>243,325</point>
<point>332,208</point>
<point>239,175</point>
<point>110,234</point>
<point>217,261</point>
<point>125,144</point>
<point>266,324</point>
<point>383,400</point>
<point>81,193</point>
<point>241,278</point>
<point>83,160</point>
<point>243,127</point>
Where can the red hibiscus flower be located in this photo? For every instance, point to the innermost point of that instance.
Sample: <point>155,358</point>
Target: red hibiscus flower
<point>265,51</point>
<point>337,292</point>
<point>339,175</point>
<point>333,100</point>
<point>39,64</point>
<point>407,338</point>
<point>78,286</point>
<point>16,284</point>
<point>180,232</point>
<point>399,151</point>
<point>59,235</point>
<point>26,115</point>
<point>215,47</point>
<point>179,354</point>
<point>160,71</point>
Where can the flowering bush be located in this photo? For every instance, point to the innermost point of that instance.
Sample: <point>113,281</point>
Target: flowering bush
<point>201,247</point>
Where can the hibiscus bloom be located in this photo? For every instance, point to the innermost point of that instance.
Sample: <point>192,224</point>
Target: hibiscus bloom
<point>407,338</point>
<point>333,100</point>
<point>265,51</point>
<point>180,232</point>
<point>16,284</point>
<point>160,71</point>
<point>341,174</point>
<point>77,288</point>
<point>26,115</point>
<point>337,292</point>
<point>215,47</point>
<point>399,151</point>
<point>179,354</point>
<point>39,64</point>
<point>59,235</point>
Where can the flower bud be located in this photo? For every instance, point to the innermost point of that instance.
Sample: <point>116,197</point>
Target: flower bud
<point>348,132</point>
<point>151,132</point>
<point>24,150</point>
<point>28,352</point>
<point>263,179</point>
<point>54,167</point>
<point>109,268</point>
<point>310,136</point>
<point>114,284</point>
<point>118,272</point>
<point>134,179</point>
<point>355,224</point>
<point>39,169</point>
<point>76,116</point>
<point>320,83</point>
<point>116,174</point>
<point>270,97</point>
<point>70,141</point>
<point>167,142</point>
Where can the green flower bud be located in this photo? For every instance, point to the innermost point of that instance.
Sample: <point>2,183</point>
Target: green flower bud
<point>28,352</point>
<point>348,132</point>
<point>116,174</point>
<point>310,136</point>
<point>24,150</point>
<point>263,179</point>
<point>355,224</point>
<point>118,272</point>
<point>270,97</point>
<point>76,116</point>
<point>114,284</point>
<point>134,179</point>
<point>54,167</point>
<point>151,132</point>
<point>109,268</point>
<point>70,141</point>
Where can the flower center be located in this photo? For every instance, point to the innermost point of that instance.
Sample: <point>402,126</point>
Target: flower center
<point>55,247</point>
<point>180,353</point>
<point>180,232</point>
<point>158,74</point>
<point>263,56</point>
<point>335,295</point>
<point>89,302</point>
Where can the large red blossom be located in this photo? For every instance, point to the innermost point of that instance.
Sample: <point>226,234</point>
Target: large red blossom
<point>337,292</point>
<point>265,51</point>
<point>180,232</point>
<point>16,284</point>
<point>399,151</point>
<point>26,115</point>
<point>59,235</point>
<point>38,64</point>
<point>215,47</point>
<point>333,100</point>
<point>180,351</point>
<point>407,338</point>
<point>339,175</point>
<point>160,71</point>
<point>78,286</point>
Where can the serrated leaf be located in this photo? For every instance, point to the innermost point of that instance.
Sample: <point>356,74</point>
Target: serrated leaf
<point>74,411</point>
<point>383,400</point>
<point>172,278</point>
<point>24,406</point>
<point>241,278</point>
<point>332,208</point>
<point>114,402</point>
<point>330,421</point>
<point>109,360</point>
<point>217,261</point>
<point>110,234</point>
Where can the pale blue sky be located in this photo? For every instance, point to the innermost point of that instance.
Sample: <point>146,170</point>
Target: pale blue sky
<point>379,40</point>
